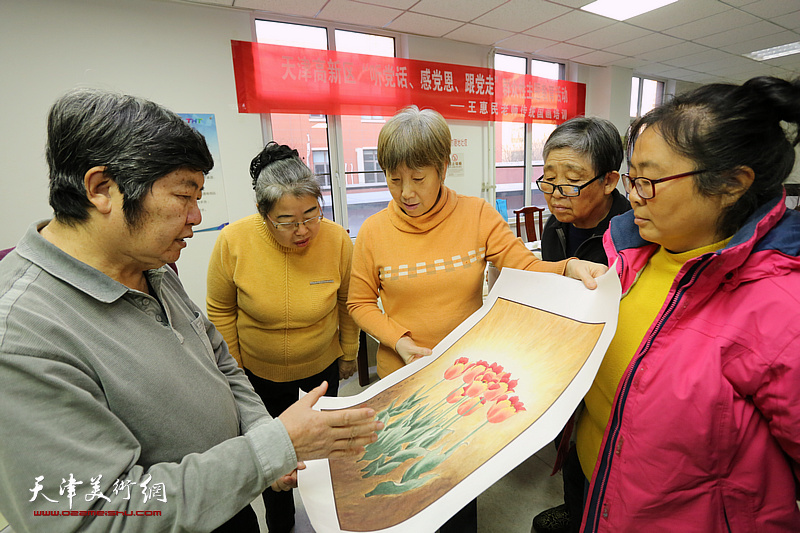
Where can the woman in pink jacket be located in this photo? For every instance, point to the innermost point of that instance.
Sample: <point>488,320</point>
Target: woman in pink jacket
<point>693,421</point>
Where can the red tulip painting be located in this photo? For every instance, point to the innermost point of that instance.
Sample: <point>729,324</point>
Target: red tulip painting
<point>415,427</point>
<point>450,417</point>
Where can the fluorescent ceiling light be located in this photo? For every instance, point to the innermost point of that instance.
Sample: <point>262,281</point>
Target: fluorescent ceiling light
<point>775,51</point>
<point>624,9</point>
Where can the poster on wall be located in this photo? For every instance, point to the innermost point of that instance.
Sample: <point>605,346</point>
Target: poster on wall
<point>495,391</point>
<point>213,205</point>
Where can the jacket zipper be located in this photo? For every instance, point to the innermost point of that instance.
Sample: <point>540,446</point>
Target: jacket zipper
<point>598,493</point>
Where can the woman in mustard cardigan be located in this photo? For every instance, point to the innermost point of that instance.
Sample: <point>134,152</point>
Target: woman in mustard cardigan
<point>277,291</point>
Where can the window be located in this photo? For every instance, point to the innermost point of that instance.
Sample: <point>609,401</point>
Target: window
<point>322,166</point>
<point>645,95</point>
<point>286,34</point>
<point>353,184</point>
<point>366,191</point>
<point>513,153</point>
<point>369,164</point>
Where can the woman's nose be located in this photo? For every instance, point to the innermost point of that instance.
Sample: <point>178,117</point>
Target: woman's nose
<point>633,197</point>
<point>195,216</point>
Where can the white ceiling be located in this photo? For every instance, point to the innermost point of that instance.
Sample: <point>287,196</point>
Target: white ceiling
<point>693,40</point>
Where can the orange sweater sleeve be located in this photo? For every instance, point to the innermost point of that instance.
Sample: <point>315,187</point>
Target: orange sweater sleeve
<point>504,249</point>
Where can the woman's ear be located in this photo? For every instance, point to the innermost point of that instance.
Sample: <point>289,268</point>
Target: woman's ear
<point>98,188</point>
<point>610,182</point>
<point>741,180</point>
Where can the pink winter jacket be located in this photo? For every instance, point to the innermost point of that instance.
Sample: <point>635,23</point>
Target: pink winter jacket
<point>704,434</point>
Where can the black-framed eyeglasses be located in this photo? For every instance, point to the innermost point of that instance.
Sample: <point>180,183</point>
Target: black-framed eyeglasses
<point>565,190</point>
<point>646,188</point>
<point>293,226</point>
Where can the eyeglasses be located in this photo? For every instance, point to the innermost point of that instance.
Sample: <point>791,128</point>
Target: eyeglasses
<point>646,188</point>
<point>565,190</point>
<point>294,226</point>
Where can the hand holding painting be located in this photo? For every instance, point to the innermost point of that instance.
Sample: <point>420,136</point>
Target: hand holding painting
<point>585,271</point>
<point>409,350</point>
<point>289,481</point>
<point>316,435</point>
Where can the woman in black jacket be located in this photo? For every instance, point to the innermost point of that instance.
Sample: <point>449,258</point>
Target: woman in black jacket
<point>582,158</point>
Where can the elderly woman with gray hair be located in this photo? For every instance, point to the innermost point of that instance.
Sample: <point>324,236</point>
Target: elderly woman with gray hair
<point>277,291</point>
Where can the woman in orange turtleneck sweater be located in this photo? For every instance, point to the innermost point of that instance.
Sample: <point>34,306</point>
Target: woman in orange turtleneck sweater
<point>425,254</point>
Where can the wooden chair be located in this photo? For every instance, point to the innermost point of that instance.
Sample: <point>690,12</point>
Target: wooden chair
<point>529,213</point>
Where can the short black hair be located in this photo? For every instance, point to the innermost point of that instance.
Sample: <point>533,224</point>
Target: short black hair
<point>136,140</point>
<point>724,127</point>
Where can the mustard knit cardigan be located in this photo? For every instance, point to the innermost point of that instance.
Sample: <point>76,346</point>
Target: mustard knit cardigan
<point>282,311</point>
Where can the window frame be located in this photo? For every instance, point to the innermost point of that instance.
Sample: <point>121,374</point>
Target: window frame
<point>528,162</point>
<point>661,92</point>
<point>326,163</point>
<point>338,180</point>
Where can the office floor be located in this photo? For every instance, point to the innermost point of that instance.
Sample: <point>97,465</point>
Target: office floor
<point>508,506</point>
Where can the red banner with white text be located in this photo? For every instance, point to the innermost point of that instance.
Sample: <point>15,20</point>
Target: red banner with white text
<point>285,79</point>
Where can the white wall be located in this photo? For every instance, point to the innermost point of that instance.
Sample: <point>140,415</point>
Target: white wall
<point>178,55</point>
<point>610,96</point>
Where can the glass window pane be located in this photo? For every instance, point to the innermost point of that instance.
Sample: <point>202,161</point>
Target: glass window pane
<point>322,165</point>
<point>650,97</point>
<point>285,34</point>
<point>366,184</point>
<point>510,63</point>
<point>372,171</point>
<point>634,96</point>
<point>364,43</point>
<point>509,138</point>
<point>510,163</point>
<point>545,69</point>
<point>308,134</point>
<point>310,139</point>
<point>539,135</point>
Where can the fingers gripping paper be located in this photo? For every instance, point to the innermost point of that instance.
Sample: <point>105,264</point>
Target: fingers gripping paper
<point>495,391</point>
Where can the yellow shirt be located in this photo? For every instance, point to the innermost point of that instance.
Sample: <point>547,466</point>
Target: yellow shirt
<point>638,309</point>
<point>282,311</point>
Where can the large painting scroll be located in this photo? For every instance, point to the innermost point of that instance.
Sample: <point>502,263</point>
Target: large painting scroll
<point>495,391</point>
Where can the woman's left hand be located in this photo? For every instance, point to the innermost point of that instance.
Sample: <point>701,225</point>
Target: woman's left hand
<point>346,368</point>
<point>585,271</point>
<point>289,481</point>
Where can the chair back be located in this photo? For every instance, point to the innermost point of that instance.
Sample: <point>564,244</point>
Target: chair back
<point>529,213</point>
